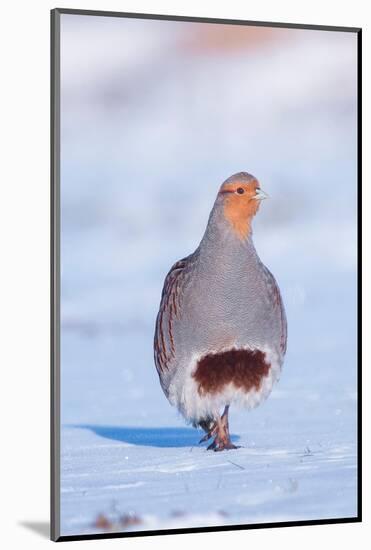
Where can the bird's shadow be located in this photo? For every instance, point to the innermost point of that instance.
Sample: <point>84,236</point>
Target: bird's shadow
<point>148,437</point>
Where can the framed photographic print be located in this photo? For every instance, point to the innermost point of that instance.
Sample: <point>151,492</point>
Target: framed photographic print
<point>205,274</point>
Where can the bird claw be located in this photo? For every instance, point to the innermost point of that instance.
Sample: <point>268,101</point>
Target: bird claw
<point>222,446</point>
<point>209,434</point>
<point>220,432</point>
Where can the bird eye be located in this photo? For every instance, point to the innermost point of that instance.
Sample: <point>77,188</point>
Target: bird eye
<point>240,191</point>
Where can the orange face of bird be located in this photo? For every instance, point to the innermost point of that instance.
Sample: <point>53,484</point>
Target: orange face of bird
<point>241,202</point>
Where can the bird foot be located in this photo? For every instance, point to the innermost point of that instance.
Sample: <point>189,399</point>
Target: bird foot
<point>220,432</point>
<point>222,446</point>
<point>211,433</point>
<point>212,446</point>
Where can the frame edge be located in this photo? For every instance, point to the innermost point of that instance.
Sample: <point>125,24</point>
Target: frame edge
<point>197,19</point>
<point>54,275</point>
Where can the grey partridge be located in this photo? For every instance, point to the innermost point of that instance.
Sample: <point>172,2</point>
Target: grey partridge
<point>221,330</point>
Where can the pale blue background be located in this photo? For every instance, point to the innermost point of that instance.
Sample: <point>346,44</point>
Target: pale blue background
<point>155,115</point>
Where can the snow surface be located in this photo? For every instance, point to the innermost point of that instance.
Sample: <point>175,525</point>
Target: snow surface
<point>145,147</point>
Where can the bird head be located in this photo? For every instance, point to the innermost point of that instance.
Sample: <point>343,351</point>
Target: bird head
<point>240,196</point>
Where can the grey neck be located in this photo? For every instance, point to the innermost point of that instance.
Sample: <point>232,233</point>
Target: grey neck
<point>220,242</point>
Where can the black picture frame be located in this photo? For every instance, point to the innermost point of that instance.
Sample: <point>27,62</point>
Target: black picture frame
<point>55,275</point>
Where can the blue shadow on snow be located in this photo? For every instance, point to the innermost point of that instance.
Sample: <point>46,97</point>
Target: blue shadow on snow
<point>149,437</point>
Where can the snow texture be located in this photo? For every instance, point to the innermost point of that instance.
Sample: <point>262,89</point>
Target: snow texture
<point>148,135</point>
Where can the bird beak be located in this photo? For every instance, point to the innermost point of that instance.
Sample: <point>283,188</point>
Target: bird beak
<point>260,195</point>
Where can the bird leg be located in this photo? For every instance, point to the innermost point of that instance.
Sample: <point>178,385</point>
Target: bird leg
<point>209,433</point>
<point>222,439</point>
